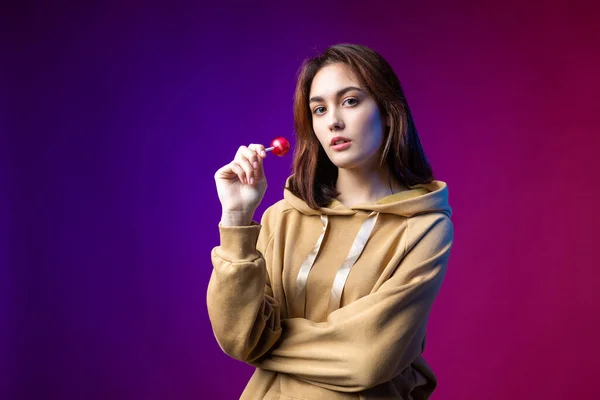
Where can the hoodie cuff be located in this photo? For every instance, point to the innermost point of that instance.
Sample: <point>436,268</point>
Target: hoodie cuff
<point>238,243</point>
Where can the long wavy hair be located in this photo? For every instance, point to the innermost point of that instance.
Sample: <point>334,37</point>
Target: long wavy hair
<point>314,175</point>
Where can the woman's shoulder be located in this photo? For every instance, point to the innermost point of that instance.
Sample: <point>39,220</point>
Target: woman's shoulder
<point>434,229</point>
<point>275,211</point>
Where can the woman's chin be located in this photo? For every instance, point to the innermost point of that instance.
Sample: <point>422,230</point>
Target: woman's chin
<point>345,163</point>
<point>349,161</point>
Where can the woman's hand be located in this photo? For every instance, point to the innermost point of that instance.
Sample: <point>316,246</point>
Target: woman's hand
<point>241,185</point>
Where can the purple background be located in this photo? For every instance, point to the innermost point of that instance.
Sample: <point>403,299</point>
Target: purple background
<point>119,115</point>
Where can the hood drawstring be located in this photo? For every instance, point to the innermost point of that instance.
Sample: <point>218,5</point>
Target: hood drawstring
<point>360,241</point>
<point>341,276</point>
<point>308,262</point>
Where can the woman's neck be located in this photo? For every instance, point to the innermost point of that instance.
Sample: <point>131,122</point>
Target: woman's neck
<point>359,186</point>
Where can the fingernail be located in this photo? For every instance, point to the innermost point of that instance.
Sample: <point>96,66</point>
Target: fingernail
<point>251,180</point>
<point>255,164</point>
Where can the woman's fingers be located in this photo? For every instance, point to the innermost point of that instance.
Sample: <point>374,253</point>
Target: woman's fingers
<point>245,158</point>
<point>252,157</point>
<point>247,164</point>
<point>259,148</point>
<point>260,153</point>
<point>239,171</point>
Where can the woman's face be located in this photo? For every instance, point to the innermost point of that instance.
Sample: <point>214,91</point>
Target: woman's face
<point>340,107</point>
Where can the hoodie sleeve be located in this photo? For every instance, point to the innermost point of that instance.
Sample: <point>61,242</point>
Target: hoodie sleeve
<point>374,338</point>
<point>243,312</point>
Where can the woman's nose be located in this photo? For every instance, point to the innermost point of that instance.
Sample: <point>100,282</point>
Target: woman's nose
<point>335,121</point>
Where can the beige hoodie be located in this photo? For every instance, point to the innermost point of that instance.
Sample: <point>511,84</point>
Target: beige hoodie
<point>333,303</point>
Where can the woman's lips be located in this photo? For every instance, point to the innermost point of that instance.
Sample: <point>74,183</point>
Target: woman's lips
<point>341,146</point>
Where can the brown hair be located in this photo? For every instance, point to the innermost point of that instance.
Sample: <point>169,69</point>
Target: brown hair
<point>315,175</point>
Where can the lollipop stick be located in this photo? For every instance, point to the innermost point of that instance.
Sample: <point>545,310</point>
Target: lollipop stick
<point>269,148</point>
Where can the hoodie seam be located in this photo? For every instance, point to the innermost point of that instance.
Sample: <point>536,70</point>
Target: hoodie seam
<point>269,243</point>
<point>407,235</point>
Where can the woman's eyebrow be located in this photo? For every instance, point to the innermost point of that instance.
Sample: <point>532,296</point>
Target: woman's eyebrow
<point>338,94</point>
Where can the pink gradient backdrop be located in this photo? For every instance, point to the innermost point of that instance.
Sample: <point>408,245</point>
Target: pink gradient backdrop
<point>119,114</point>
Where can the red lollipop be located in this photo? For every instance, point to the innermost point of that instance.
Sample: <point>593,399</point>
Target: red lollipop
<point>280,146</point>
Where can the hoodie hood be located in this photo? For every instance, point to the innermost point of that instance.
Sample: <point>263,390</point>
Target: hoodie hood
<point>419,199</point>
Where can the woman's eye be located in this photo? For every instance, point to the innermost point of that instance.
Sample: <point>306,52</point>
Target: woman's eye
<point>351,101</point>
<point>319,110</point>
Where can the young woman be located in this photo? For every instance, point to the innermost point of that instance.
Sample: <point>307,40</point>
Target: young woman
<point>330,294</point>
